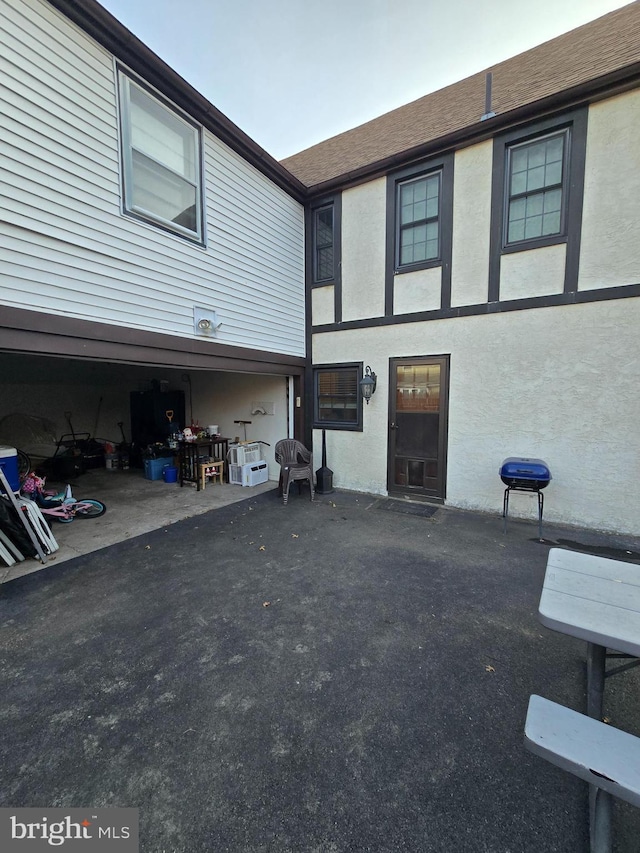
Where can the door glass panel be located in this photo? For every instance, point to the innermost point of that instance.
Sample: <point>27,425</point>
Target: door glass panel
<point>418,388</point>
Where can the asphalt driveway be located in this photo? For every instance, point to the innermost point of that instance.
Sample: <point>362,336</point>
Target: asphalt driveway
<point>326,677</point>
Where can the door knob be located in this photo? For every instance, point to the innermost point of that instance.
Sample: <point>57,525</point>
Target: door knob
<point>393,425</point>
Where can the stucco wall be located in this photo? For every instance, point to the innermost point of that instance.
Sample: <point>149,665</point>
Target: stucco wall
<point>471,224</point>
<point>556,383</point>
<point>322,305</point>
<point>417,291</point>
<point>610,248</point>
<point>536,272</point>
<point>363,250</point>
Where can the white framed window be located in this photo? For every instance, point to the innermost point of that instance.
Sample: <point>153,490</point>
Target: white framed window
<point>161,162</point>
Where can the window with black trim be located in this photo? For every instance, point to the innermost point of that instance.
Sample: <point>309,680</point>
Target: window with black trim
<point>161,162</point>
<point>418,220</point>
<point>323,244</point>
<point>419,224</point>
<point>337,397</point>
<point>535,190</point>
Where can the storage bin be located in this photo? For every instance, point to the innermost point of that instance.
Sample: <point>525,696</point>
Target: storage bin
<point>9,465</point>
<point>153,467</point>
<point>170,474</point>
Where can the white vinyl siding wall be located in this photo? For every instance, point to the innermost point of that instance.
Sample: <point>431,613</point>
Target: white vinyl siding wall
<point>66,248</point>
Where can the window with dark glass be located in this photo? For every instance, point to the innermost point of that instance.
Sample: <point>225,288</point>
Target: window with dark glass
<point>161,162</point>
<point>338,402</point>
<point>418,220</point>
<point>323,244</point>
<point>536,177</point>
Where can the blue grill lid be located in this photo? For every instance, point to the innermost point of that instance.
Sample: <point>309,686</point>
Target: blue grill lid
<point>522,468</point>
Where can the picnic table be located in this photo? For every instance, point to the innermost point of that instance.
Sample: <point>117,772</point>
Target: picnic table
<point>598,600</point>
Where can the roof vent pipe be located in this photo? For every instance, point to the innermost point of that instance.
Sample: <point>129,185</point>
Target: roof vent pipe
<point>488,112</point>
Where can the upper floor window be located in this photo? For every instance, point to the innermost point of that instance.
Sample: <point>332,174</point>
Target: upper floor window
<point>161,159</point>
<point>324,261</point>
<point>537,192</point>
<point>419,228</point>
<point>418,220</point>
<point>535,188</point>
<point>337,397</point>
<point>323,241</point>
<point>419,216</point>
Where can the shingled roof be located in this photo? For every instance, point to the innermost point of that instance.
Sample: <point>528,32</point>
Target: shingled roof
<point>590,52</point>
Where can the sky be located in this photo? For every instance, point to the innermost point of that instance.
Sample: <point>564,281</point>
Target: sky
<point>291,73</point>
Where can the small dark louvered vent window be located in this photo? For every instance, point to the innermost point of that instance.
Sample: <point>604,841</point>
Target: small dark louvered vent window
<point>337,397</point>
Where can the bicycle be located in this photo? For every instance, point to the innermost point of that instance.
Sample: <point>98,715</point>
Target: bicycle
<point>61,507</point>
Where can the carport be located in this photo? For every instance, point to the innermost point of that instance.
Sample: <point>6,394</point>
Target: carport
<point>97,397</point>
<point>56,369</point>
<point>53,364</point>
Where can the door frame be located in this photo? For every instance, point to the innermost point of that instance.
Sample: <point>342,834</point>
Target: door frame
<point>414,492</point>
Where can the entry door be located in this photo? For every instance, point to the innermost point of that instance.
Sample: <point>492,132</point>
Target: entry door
<point>418,426</point>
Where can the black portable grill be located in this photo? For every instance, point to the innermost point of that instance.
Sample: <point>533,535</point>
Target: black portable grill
<point>520,474</point>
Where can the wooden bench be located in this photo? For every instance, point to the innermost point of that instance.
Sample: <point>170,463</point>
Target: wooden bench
<point>605,757</point>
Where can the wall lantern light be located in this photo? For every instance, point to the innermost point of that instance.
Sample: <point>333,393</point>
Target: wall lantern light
<point>368,384</point>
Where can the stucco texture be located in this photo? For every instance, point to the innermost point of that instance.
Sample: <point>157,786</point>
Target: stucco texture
<point>557,383</point>
<point>417,291</point>
<point>610,247</point>
<point>363,250</point>
<point>471,224</point>
<point>322,305</point>
<point>536,272</point>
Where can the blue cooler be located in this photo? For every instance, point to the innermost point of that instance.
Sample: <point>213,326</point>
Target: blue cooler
<point>9,465</point>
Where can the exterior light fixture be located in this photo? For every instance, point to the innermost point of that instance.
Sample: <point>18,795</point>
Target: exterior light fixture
<point>205,322</point>
<point>368,384</point>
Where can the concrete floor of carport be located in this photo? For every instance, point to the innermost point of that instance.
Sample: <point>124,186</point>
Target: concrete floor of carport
<point>135,505</point>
